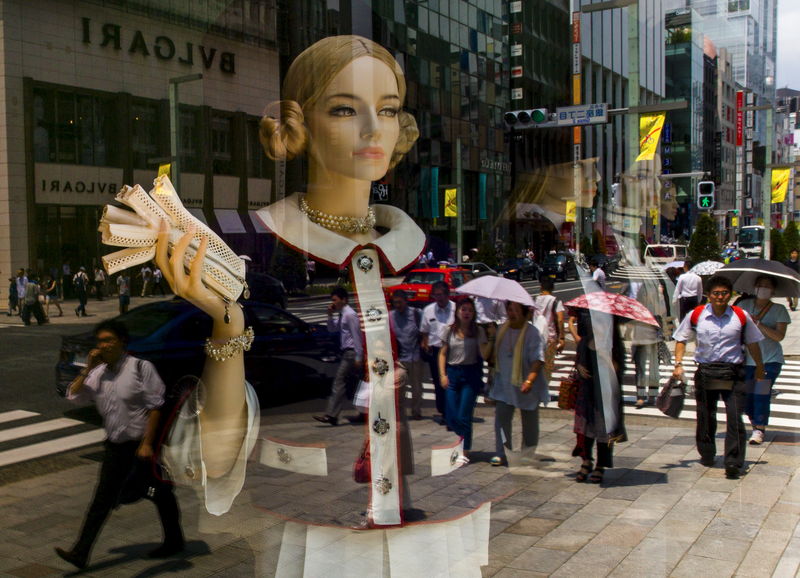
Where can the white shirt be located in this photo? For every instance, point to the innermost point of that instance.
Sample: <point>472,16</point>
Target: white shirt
<point>689,285</point>
<point>489,310</point>
<point>599,277</point>
<point>435,320</point>
<point>718,339</point>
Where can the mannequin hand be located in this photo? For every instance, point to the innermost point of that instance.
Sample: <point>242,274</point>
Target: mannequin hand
<point>190,286</point>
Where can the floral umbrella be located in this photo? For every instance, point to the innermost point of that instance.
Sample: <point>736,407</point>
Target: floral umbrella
<point>707,267</point>
<point>613,304</point>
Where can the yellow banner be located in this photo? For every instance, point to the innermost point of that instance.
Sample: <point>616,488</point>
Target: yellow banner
<point>654,216</point>
<point>780,184</point>
<point>164,169</point>
<point>734,221</point>
<point>450,206</point>
<point>650,126</point>
<point>570,214</point>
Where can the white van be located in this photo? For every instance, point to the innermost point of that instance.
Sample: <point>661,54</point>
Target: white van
<point>657,255</point>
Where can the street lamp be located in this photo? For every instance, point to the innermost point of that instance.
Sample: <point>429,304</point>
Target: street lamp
<point>174,127</point>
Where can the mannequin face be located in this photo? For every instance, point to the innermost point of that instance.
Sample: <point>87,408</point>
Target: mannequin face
<point>354,125</point>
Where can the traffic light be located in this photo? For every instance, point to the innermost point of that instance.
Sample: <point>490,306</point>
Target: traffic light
<point>705,195</point>
<point>529,118</point>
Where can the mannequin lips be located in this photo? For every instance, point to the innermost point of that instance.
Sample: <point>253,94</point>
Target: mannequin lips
<point>370,153</point>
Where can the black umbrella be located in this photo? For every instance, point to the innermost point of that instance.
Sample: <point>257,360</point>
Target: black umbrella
<point>744,273</point>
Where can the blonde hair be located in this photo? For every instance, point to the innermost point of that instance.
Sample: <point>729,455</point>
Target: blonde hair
<point>283,132</point>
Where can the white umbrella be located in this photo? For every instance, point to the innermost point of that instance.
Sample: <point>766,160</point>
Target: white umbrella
<point>673,265</point>
<point>496,288</point>
<point>707,267</point>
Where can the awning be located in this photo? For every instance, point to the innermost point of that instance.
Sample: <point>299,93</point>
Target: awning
<point>229,221</point>
<point>198,214</point>
<point>258,224</point>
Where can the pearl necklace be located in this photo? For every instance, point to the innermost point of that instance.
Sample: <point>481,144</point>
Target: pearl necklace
<point>338,222</point>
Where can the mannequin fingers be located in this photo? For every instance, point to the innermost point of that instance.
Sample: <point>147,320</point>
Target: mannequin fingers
<point>162,252</point>
<point>196,267</point>
<point>177,259</point>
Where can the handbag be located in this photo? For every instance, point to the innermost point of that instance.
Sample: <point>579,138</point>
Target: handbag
<point>361,469</point>
<point>568,391</point>
<point>671,398</point>
<point>141,482</point>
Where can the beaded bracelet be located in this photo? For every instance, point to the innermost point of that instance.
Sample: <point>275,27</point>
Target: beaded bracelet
<point>231,347</point>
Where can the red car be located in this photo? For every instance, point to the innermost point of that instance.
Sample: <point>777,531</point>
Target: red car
<point>417,283</point>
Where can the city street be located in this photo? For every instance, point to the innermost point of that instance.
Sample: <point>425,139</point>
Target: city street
<point>658,513</point>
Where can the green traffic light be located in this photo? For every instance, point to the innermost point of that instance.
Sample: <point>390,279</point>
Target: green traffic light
<point>705,201</point>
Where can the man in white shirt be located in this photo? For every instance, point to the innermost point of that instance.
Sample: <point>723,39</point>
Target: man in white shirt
<point>688,291</point>
<point>436,317</point>
<point>598,275</point>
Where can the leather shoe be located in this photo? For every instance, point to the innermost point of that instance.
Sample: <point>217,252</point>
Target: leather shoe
<point>707,461</point>
<point>327,419</point>
<point>732,472</point>
<point>166,550</point>
<point>75,559</point>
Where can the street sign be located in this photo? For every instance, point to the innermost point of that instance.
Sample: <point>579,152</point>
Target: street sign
<point>582,114</point>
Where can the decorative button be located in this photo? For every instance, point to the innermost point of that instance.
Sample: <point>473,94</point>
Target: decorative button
<point>365,263</point>
<point>380,366</point>
<point>283,456</point>
<point>383,485</point>
<point>454,457</point>
<point>374,314</point>
<point>380,426</point>
<point>189,471</point>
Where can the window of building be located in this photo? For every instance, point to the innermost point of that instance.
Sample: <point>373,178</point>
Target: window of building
<point>221,145</point>
<point>74,127</point>
<point>144,134</point>
<point>189,144</point>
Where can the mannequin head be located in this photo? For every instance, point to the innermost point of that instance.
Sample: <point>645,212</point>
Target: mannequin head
<point>289,128</point>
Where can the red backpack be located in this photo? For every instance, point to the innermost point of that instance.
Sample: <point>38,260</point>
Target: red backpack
<point>738,310</point>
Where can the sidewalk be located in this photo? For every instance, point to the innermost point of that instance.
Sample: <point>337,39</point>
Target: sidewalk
<point>658,513</point>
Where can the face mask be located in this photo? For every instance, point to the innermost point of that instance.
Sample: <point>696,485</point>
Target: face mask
<point>763,292</point>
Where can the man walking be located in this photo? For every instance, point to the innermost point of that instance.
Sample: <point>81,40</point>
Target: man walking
<point>688,291</point>
<point>598,275</point>
<point>128,393</point>
<point>80,282</point>
<point>22,285</point>
<point>794,264</point>
<point>30,302</point>
<point>719,331</point>
<point>99,282</point>
<point>436,317</point>
<point>147,278</point>
<point>124,287</point>
<point>405,323</point>
<point>352,347</point>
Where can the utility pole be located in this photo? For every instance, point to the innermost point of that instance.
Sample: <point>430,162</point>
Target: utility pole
<point>174,127</point>
<point>459,204</point>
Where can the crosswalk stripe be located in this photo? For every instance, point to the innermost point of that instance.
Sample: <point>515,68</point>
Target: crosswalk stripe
<point>37,428</point>
<point>54,446</point>
<point>16,414</point>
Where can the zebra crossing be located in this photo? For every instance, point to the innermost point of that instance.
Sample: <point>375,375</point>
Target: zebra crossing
<point>26,435</point>
<point>784,409</point>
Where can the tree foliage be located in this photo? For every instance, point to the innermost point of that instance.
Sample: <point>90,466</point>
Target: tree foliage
<point>777,251</point>
<point>704,244</point>
<point>791,237</point>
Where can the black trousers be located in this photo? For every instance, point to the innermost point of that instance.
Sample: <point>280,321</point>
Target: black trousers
<point>735,434</point>
<point>34,309</point>
<point>687,304</point>
<point>441,396</point>
<point>118,461</point>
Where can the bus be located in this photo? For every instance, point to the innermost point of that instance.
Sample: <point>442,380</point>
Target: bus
<point>751,241</point>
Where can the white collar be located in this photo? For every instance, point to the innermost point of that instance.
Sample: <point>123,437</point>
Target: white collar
<point>399,247</point>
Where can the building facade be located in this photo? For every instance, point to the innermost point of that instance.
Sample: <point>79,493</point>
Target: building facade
<point>85,110</point>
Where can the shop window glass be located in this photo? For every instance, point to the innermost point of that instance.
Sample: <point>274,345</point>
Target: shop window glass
<point>144,134</point>
<point>65,128</point>
<point>189,135</point>
<point>221,145</point>
<point>44,139</point>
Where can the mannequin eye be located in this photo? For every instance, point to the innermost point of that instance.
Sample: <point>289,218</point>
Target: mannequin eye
<point>389,111</point>
<point>343,111</point>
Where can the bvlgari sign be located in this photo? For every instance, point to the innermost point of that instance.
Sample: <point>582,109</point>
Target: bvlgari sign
<point>162,47</point>
<point>76,184</point>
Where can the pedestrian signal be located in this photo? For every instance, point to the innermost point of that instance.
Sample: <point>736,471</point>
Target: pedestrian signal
<point>705,195</point>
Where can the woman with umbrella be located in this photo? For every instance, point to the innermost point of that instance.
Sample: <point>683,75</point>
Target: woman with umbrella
<point>772,319</point>
<point>600,362</point>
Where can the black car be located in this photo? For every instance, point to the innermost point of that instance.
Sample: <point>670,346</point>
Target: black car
<point>477,269</point>
<point>266,289</point>
<point>559,266</point>
<point>519,268</point>
<point>289,360</point>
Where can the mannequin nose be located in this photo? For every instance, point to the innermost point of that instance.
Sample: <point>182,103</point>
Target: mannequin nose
<point>371,126</point>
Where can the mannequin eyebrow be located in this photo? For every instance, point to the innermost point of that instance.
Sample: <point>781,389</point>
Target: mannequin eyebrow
<point>354,97</point>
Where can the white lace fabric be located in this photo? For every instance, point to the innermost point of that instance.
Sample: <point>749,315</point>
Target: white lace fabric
<point>137,231</point>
